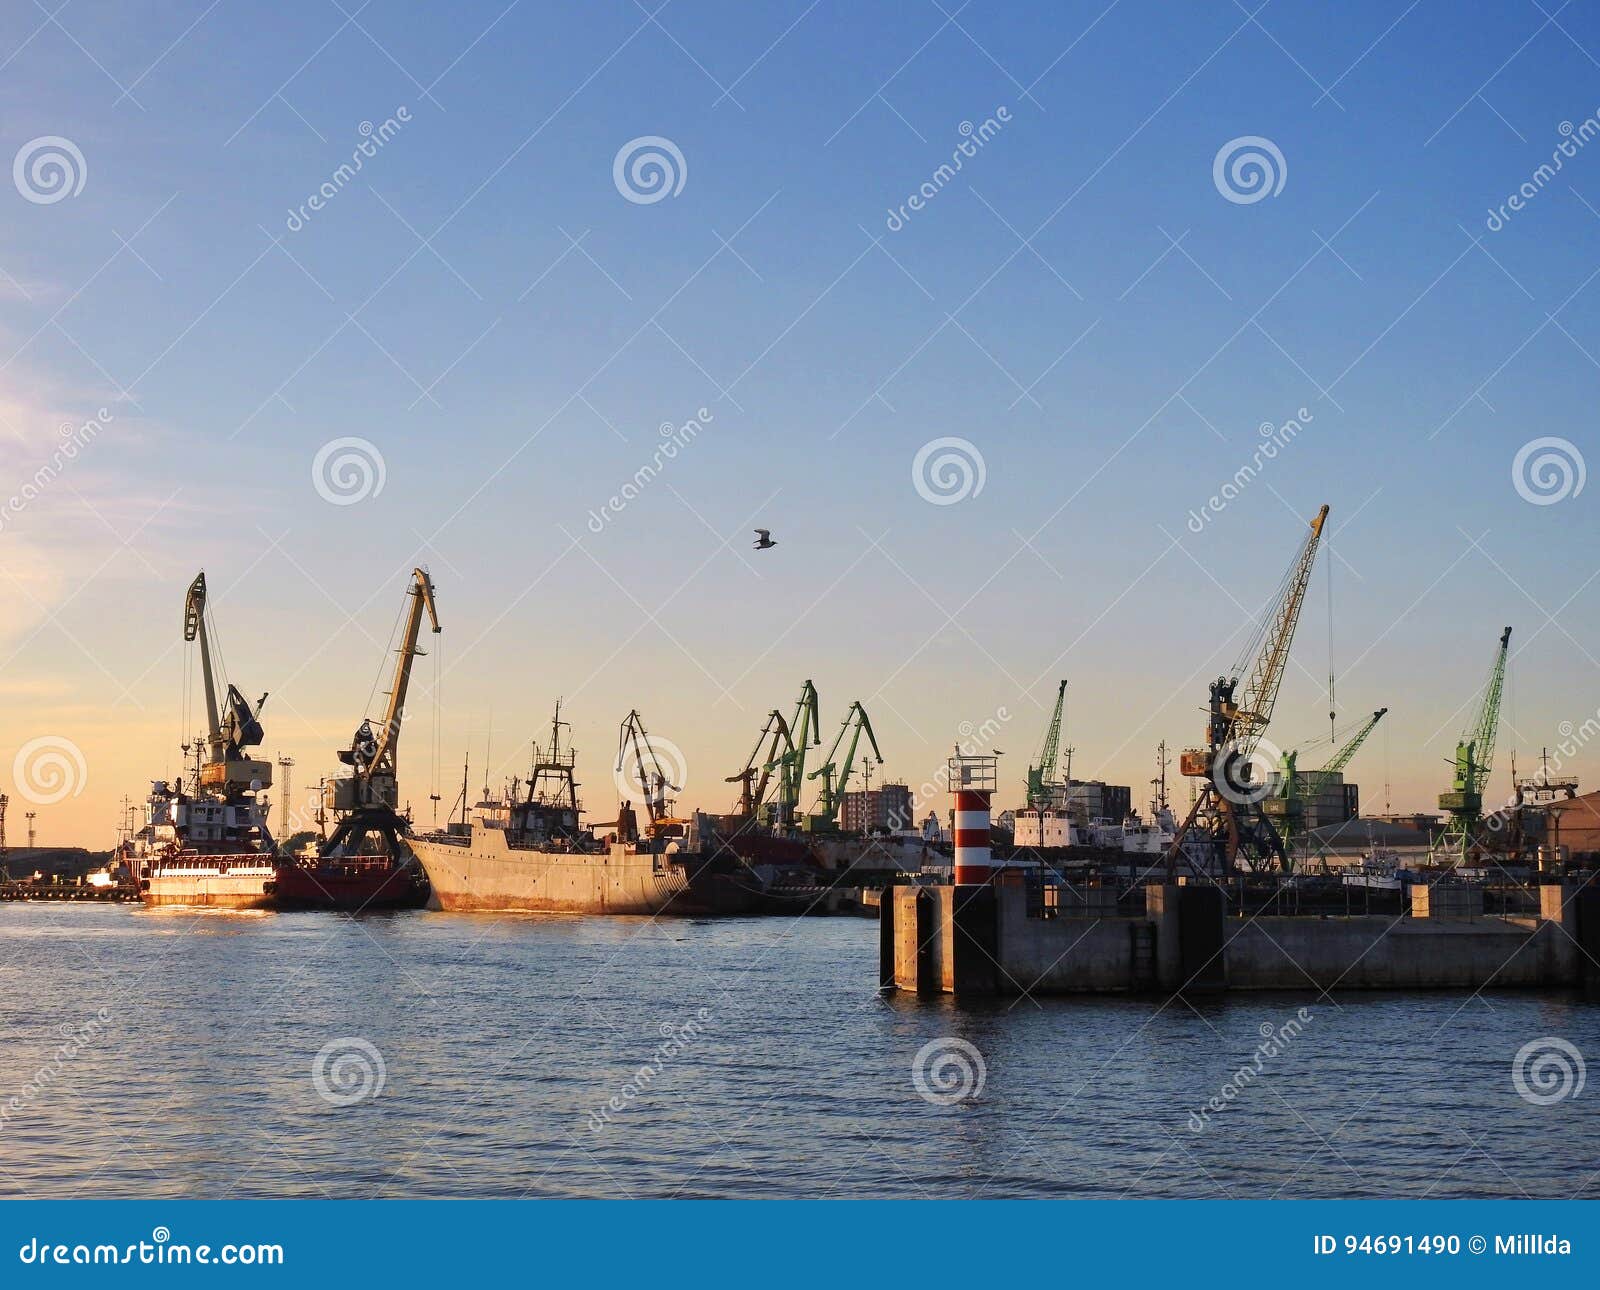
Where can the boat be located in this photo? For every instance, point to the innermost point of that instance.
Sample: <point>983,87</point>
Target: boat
<point>351,883</point>
<point>204,840</point>
<point>1381,869</point>
<point>365,863</point>
<point>526,849</point>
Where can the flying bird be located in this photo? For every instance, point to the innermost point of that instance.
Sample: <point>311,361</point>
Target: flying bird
<point>764,539</point>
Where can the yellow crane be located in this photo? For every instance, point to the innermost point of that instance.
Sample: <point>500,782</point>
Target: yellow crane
<point>230,728</point>
<point>1228,807</point>
<point>373,754</point>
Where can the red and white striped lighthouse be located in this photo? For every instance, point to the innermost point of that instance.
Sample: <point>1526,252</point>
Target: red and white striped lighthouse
<point>972,785</point>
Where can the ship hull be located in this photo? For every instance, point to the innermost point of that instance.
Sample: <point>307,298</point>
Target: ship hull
<point>349,887</point>
<point>241,888</point>
<point>487,875</point>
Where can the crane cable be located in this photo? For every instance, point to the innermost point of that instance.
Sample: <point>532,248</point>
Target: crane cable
<point>1332,706</point>
<point>383,664</point>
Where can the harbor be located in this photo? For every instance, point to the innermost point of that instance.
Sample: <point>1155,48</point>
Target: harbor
<point>800,602</point>
<point>1236,896</point>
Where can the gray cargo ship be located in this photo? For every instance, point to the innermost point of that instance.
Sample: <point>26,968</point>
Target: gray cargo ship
<point>528,850</point>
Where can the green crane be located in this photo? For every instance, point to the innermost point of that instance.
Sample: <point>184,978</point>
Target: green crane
<point>834,775</point>
<point>803,734</point>
<point>1040,775</point>
<point>1287,809</point>
<point>757,773</point>
<point>1341,759</point>
<point>1474,760</point>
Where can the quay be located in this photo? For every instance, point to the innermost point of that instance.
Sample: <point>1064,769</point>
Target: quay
<point>1007,938</point>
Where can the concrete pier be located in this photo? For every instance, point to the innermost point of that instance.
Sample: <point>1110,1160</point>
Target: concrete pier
<point>994,939</point>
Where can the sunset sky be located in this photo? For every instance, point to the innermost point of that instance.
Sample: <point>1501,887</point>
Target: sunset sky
<point>508,314</point>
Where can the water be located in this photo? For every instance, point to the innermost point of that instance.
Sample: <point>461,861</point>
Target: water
<point>504,1039</point>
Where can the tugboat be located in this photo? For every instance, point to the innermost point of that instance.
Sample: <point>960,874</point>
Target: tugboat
<point>365,863</point>
<point>205,841</point>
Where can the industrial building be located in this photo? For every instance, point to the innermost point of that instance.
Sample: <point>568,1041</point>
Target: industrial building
<point>1094,799</point>
<point>1574,823</point>
<point>1326,799</point>
<point>887,807</point>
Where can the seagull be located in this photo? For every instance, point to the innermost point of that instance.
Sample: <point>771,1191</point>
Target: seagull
<point>764,539</point>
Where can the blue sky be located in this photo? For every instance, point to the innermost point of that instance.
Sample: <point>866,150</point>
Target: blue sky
<point>1080,303</point>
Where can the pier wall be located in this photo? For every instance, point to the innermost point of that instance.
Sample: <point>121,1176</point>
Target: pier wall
<point>988,940</point>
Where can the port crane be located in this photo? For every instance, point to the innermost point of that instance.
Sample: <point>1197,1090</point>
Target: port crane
<point>1042,775</point>
<point>756,776</point>
<point>835,776</point>
<point>233,727</point>
<point>804,734</point>
<point>1228,806</point>
<point>368,797</point>
<point>1288,806</point>
<point>634,741</point>
<point>1473,761</point>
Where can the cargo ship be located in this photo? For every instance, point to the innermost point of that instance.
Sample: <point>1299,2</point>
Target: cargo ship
<point>527,850</point>
<point>204,840</point>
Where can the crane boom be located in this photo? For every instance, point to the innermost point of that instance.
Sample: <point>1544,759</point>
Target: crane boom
<point>1487,727</point>
<point>1473,761</point>
<point>1228,810</point>
<point>232,726</point>
<point>194,627</point>
<point>373,755</point>
<point>804,733</point>
<point>421,593</point>
<point>652,779</point>
<point>1341,759</point>
<point>775,737</point>
<point>834,776</point>
<point>1266,673</point>
<point>1045,771</point>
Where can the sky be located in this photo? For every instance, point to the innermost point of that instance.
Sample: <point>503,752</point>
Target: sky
<point>983,408</point>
